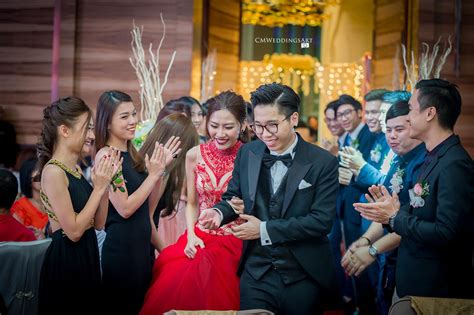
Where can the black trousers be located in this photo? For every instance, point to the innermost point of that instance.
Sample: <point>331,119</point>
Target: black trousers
<point>270,293</point>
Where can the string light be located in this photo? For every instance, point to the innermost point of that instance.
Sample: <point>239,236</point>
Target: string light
<point>297,71</point>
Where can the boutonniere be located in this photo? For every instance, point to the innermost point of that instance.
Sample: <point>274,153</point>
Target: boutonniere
<point>355,144</point>
<point>118,182</point>
<point>417,193</point>
<point>397,180</point>
<point>376,153</point>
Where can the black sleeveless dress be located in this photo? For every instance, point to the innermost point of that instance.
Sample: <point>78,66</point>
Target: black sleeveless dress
<point>70,276</point>
<point>126,263</point>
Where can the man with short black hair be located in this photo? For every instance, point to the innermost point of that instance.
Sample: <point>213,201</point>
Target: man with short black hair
<point>289,189</point>
<point>436,227</point>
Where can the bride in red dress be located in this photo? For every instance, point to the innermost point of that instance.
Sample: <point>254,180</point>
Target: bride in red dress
<point>199,272</point>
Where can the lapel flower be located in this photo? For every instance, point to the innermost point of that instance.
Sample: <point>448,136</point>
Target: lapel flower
<point>376,153</point>
<point>355,144</point>
<point>397,180</point>
<point>417,193</point>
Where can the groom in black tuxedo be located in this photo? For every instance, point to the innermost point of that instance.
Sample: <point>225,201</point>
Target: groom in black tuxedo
<point>289,190</point>
<point>436,227</point>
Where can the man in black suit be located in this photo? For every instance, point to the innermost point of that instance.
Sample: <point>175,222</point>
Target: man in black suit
<point>358,136</point>
<point>289,190</point>
<point>436,227</point>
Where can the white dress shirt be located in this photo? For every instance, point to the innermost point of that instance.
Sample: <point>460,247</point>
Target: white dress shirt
<point>277,173</point>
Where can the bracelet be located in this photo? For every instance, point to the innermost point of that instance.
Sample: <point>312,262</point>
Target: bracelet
<point>368,240</point>
<point>164,173</point>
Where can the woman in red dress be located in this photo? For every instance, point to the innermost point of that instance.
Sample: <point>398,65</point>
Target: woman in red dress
<point>200,270</point>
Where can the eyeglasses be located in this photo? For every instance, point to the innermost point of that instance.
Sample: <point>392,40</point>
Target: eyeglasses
<point>346,114</point>
<point>271,127</point>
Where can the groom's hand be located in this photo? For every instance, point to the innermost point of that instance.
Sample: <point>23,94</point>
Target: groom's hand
<point>210,219</point>
<point>249,230</point>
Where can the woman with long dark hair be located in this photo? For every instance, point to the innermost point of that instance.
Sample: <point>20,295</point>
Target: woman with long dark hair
<point>199,271</point>
<point>169,196</point>
<point>126,266</point>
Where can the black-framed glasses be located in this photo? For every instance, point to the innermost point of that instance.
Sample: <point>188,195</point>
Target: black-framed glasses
<point>271,127</point>
<point>346,114</point>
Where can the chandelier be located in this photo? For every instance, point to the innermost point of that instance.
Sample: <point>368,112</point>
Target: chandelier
<point>277,13</point>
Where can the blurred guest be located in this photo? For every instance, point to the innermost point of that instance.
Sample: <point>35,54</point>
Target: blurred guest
<point>174,106</point>
<point>312,122</point>
<point>8,141</point>
<point>334,127</point>
<point>303,130</point>
<point>10,229</point>
<point>28,209</point>
<point>197,115</point>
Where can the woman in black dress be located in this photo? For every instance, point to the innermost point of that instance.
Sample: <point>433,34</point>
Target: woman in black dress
<point>70,276</point>
<point>126,265</point>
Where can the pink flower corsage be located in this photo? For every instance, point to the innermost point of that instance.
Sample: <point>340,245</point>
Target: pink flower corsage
<point>417,193</point>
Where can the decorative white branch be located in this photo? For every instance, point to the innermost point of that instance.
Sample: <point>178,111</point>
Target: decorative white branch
<point>148,73</point>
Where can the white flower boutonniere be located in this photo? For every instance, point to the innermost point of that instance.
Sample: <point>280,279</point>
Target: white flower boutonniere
<point>376,153</point>
<point>397,180</point>
<point>417,193</point>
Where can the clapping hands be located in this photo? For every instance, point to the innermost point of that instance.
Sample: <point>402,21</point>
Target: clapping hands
<point>381,205</point>
<point>105,168</point>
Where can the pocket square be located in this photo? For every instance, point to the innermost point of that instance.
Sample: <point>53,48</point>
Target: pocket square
<point>304,184</point>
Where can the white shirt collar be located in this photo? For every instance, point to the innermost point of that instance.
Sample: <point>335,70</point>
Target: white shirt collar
<point>289,150</point>
<point>355,133</point>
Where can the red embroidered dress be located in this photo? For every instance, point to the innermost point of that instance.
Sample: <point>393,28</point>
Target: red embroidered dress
<point>209,280</point>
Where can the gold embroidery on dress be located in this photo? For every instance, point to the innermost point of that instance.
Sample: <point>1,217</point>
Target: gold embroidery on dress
<point>66,168</point>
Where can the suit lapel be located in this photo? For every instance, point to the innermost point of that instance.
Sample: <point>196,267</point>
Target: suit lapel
<point>296,173</point>
<point>255,162</point>
<point>451,142</point>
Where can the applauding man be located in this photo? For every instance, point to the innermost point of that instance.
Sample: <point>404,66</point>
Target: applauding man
<point>435,252</point>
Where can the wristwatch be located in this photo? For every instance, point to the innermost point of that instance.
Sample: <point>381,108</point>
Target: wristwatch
<point>391,220</point>
<point>373,251</point>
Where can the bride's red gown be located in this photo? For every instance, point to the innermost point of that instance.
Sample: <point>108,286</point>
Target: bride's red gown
<point>209,281</point>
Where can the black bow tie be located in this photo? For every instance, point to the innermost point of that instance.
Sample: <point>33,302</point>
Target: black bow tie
<point>269,159</point>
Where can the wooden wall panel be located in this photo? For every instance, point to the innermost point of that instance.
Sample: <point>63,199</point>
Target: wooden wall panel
<point>224,36</point>
<point>103,45</point>
<point>26,32</point>
<point>437,18</point>
<point>389,27</point>
<point>94,47</point>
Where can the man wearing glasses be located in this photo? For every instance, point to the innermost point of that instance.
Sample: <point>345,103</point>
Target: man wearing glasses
<point>357,137</point>
<point>289,189</point>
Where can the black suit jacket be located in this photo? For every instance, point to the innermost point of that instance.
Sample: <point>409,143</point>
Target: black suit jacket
<point>353,191</point>
<point>435,254</point>
<point>307,214</point>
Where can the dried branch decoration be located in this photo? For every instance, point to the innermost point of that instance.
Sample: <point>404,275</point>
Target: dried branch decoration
<point>429,65</point>
<point>148,73</point>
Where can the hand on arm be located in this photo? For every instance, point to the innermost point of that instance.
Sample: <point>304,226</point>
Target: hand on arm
<point>249,230</point>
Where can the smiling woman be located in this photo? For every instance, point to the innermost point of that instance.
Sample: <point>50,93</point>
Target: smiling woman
<point>126,263</point>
